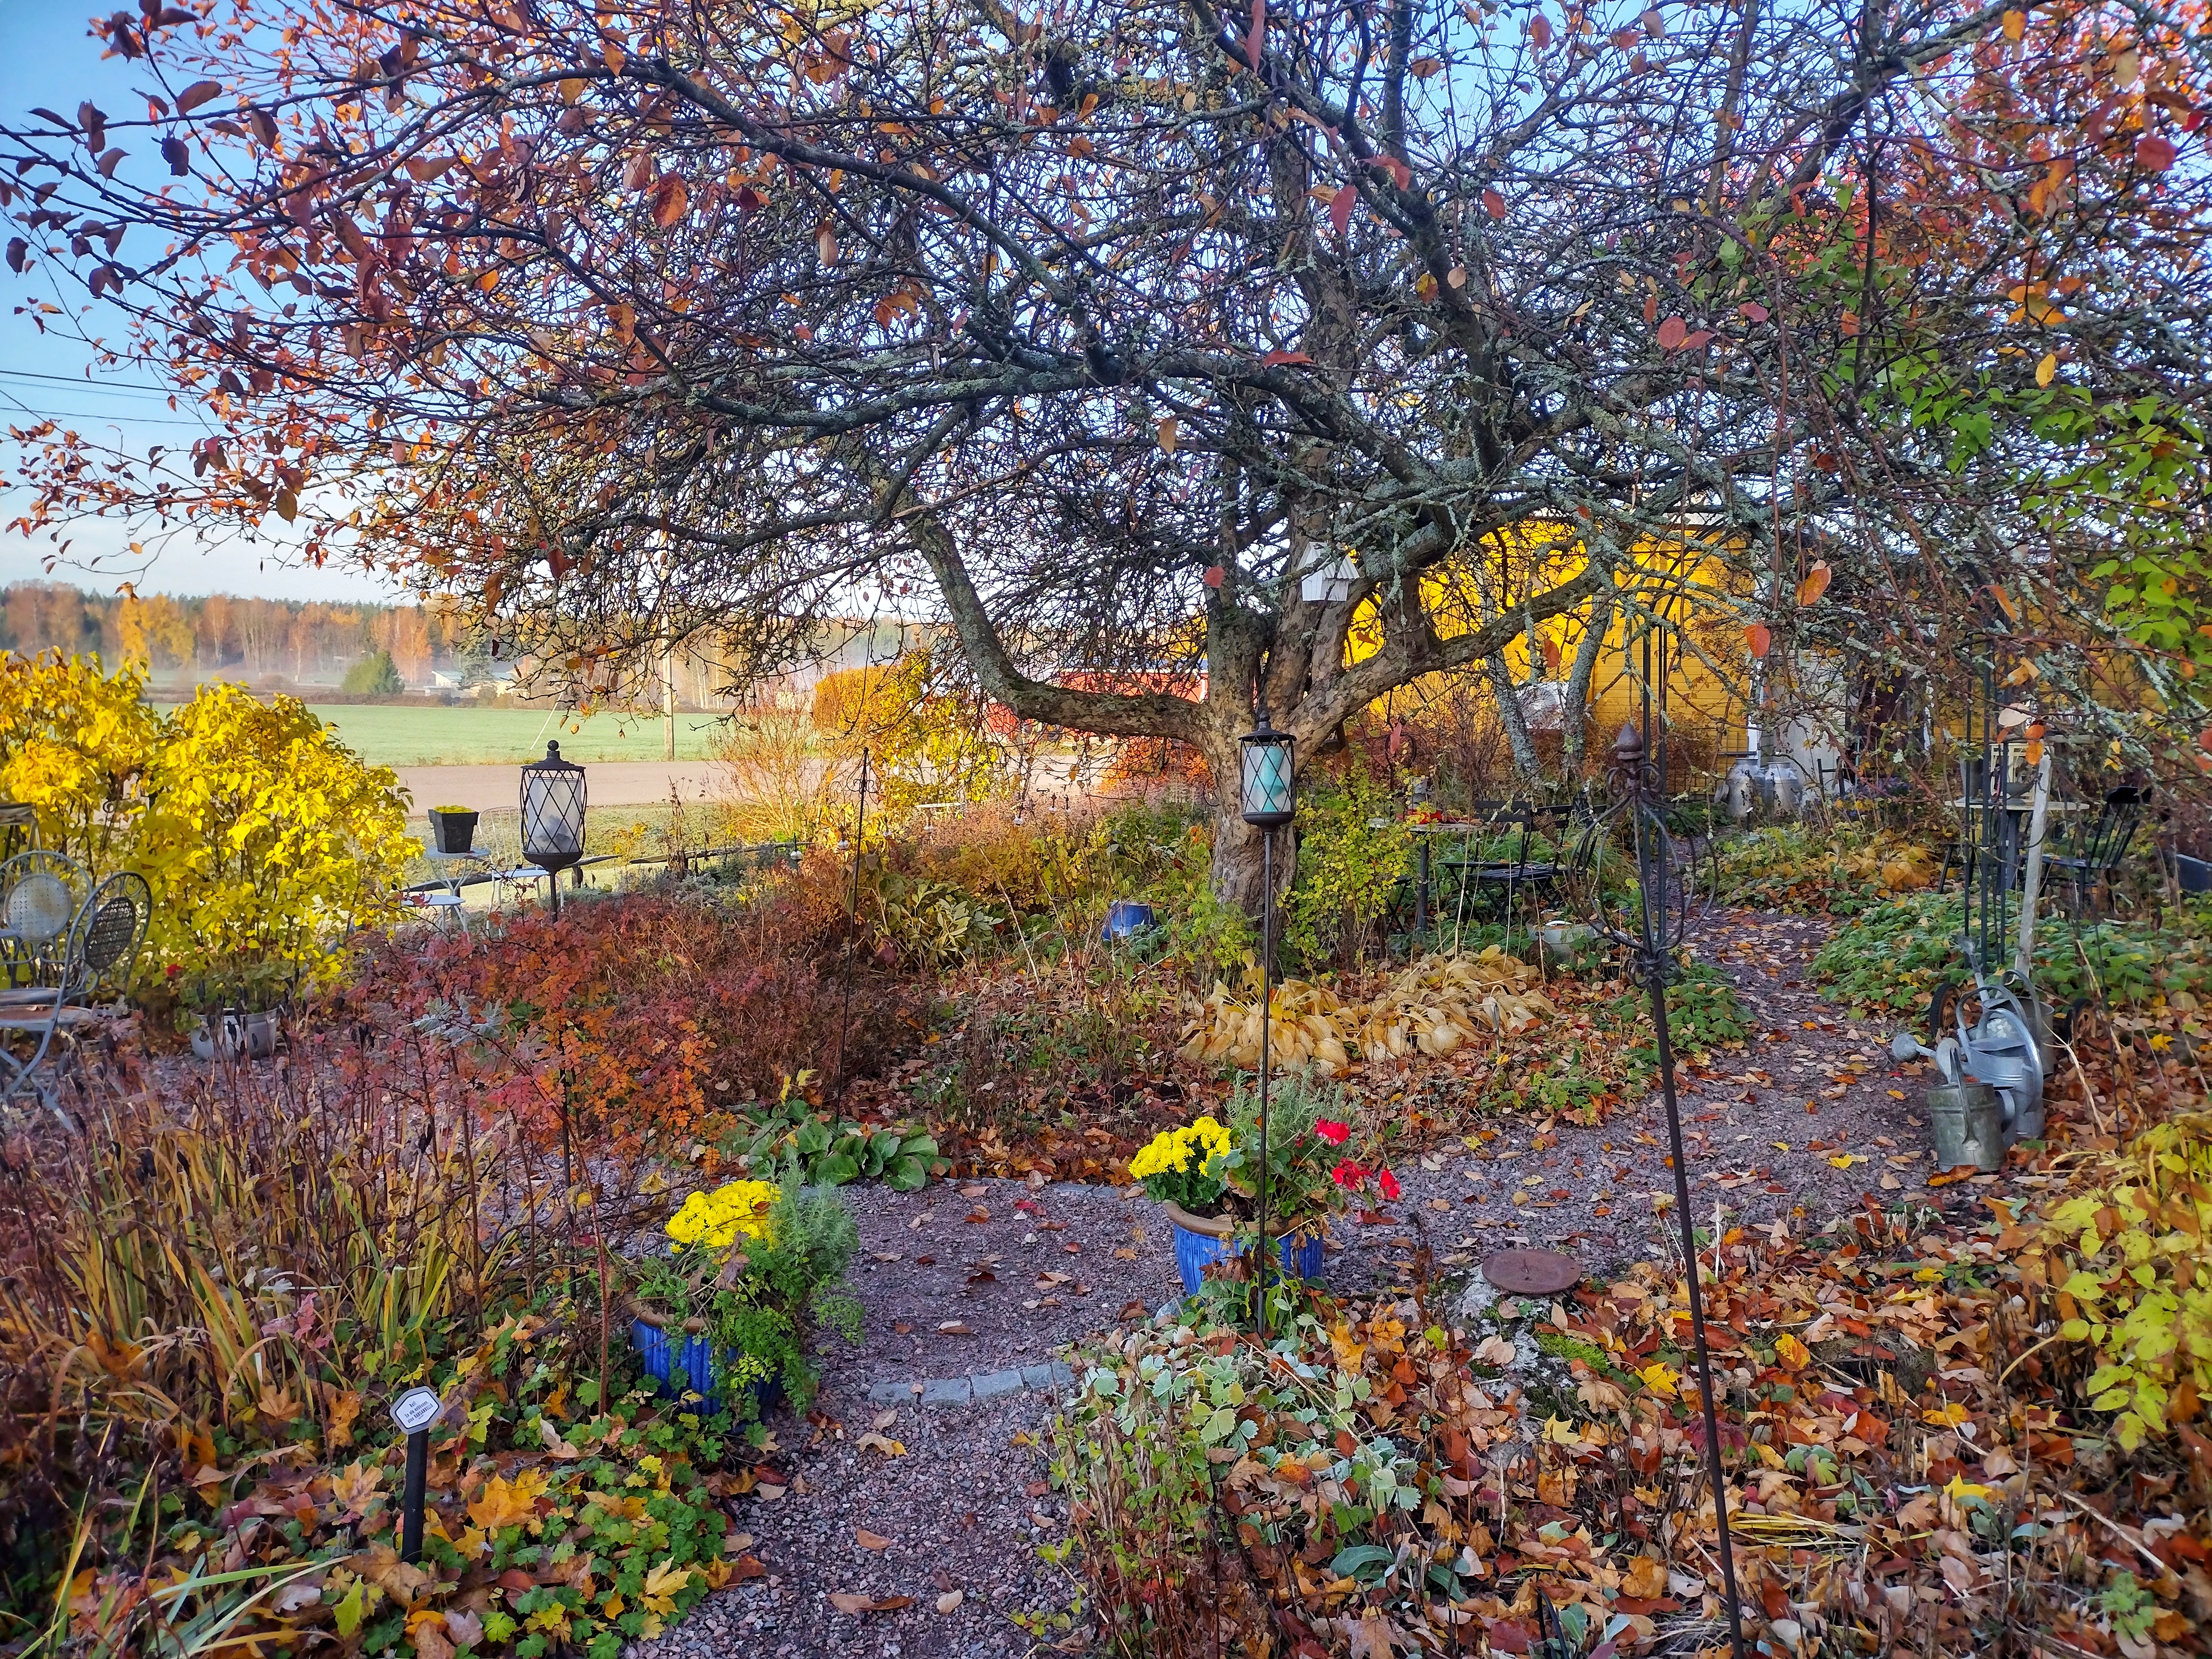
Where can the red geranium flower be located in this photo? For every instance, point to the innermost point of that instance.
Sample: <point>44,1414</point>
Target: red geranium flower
<point>1334,1133</point>
<point>1348,1175</point>
<point>1388,1184</point>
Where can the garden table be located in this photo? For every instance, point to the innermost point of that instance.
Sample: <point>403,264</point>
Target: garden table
<point>453,870</point>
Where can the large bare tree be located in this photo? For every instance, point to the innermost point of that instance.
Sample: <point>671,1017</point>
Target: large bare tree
<point>1131,336</point>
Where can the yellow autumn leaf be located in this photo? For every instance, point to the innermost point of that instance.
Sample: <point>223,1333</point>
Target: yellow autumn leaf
<point>1946,1416</point>
<point>506,1503</point>
<point>1845,1160</point>
<point>2016,25</point>
<point>2047,369</point>
<point>1793,1353</point>
<point>661,1585</point>
<point>1558,1432</point>
<point>1661,1378</point>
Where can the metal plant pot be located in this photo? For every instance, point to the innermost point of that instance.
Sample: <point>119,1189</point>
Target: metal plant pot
<point>456,832</point>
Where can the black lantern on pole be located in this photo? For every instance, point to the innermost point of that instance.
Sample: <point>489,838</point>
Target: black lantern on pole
<point>1268,801</point>
<point>1638,886</point>
<point>553,817</point>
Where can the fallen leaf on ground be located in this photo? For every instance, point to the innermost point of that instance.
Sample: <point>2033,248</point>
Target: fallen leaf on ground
<point>872,1442</point>
<point>870,1540</point>
<point>950,1601</point>
<point>856,1605</point>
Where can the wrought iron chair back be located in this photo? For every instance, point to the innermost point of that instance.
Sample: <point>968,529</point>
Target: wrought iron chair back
<point>109,934</point>
<point>40,892</point>
<point>2096,851</point>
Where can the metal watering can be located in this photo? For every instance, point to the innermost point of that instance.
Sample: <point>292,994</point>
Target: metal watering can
<point>2000,1051</point>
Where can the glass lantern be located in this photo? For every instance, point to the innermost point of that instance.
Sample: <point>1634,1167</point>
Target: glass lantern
<point>553,815</point>
<point>1268,798</point>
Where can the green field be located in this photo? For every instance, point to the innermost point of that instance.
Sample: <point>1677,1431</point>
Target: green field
<point>387,735</point>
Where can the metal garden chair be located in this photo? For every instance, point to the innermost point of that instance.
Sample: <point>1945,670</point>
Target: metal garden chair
<point>98,956</point>
<point>2087,863</point>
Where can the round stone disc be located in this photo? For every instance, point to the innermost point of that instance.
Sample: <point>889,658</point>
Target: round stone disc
<point>1533,1273</point>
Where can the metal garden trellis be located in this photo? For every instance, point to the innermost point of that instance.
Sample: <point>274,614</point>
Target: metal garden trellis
<point>1651,916</point>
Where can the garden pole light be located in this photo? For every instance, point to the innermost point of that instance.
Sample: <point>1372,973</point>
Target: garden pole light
<point>1267,804</point>
<point>852,921</point>
<point>553,800</point>
<point>414,1412</point>
<point>1652,925</point>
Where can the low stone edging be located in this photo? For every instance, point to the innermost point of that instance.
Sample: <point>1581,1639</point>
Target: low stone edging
<point>971,1389</point>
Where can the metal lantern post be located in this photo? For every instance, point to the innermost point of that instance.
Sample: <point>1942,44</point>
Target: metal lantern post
<point>553,817</point>
<point>1674,885</point>
<point>1268,802</point>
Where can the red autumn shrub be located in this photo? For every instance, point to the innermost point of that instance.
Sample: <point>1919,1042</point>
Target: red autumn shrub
<point>641,1013</point>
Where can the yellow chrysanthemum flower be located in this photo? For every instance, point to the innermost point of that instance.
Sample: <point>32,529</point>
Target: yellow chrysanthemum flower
<point>717,1219</point>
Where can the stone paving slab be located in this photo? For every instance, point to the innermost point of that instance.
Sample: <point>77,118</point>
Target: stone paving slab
<point>967,1390</point>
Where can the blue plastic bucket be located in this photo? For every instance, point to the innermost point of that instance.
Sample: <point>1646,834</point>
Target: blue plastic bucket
<point>1301,1253</point>
<point>687,1367</point>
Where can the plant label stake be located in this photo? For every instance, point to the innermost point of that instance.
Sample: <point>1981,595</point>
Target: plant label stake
<point>414,1412</point>
<point>1652,925</point>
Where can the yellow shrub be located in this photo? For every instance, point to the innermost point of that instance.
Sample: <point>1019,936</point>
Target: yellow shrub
<point>269,840</point>
<point>74,745</point>
<point>265,839</point>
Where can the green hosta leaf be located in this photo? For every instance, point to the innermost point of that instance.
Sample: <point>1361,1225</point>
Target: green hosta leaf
<point>832,1169</point>
<point>1367,1562</point>
<point>907,1174</point>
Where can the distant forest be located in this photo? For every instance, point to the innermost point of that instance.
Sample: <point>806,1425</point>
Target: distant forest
<point>299,642</point>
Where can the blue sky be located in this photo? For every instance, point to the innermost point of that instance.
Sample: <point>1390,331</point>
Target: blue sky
<point>47,58</point>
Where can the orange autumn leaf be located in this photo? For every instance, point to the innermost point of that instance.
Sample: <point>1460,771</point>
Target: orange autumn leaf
<point>1815,583</point>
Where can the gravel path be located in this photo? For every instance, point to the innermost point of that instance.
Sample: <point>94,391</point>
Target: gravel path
<point>985,1275</point>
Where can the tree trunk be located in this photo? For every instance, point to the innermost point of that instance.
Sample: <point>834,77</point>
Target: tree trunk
<point>1526,764</point>
<point>1574,715</point>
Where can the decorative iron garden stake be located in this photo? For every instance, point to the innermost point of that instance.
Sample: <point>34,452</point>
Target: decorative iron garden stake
<point>852,921</point>
<point>1666,907</point>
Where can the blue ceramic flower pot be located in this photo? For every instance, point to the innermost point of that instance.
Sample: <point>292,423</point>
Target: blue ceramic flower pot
<point>687,1366</point>
<point>1301,1253</point>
